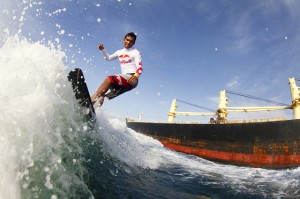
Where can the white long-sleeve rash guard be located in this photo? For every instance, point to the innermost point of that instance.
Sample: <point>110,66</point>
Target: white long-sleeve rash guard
<point>130,60</point>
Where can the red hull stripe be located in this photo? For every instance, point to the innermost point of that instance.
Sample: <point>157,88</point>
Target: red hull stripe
<point>254,160</point>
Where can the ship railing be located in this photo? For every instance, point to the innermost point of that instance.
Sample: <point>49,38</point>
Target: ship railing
<point>145,121</point>
<point>256,120</point>
<point>257,109</point>
<point>195,113</point>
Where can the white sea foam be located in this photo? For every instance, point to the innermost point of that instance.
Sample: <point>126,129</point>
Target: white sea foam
<point>25,79</point>
<point>37,113</point>
<point>40,128</point>
<point>132,148</point>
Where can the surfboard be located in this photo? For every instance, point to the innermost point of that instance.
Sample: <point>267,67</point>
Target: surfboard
<point>81,92</point>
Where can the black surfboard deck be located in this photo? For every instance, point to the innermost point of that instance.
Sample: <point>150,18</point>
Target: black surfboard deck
<point>81,92</point>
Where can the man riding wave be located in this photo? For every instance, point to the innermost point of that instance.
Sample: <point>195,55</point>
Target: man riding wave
<point>131,69</point>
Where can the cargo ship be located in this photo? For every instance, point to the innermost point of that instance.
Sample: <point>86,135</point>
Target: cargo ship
<point>263,143</point>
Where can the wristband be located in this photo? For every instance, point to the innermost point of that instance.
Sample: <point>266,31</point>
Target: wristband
<point>136,75</point>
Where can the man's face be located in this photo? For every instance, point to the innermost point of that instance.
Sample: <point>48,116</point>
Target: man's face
<point>128,42</point>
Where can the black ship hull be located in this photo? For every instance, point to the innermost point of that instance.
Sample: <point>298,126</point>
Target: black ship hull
<point>273,144</point>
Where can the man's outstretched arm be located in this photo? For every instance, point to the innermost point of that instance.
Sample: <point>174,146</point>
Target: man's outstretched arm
<point>105,54</point>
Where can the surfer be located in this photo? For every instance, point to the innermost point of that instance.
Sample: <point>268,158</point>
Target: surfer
<point>131,69</point>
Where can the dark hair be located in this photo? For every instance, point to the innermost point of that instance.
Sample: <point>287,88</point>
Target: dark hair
<point>131,34</point>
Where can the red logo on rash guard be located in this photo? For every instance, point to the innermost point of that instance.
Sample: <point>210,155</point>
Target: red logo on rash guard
<point>123,59</point>
<point>125,62</point>
<point>123,56</point>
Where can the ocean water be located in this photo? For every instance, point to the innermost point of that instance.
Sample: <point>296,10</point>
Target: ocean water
<point>48,151</point>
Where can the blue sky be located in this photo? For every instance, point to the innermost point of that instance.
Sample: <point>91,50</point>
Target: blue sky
<point>191,50</point>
